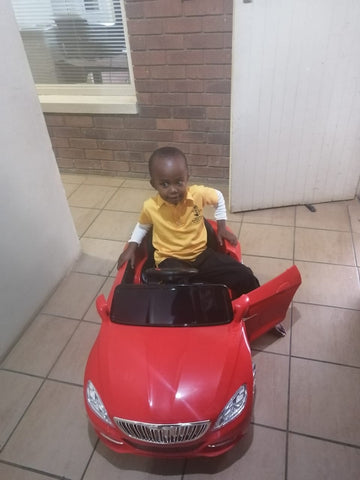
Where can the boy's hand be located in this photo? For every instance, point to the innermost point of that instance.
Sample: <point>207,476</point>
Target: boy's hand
<point>128,255</point>
<point>224,234</point>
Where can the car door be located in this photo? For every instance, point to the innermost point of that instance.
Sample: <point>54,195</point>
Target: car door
<point>267,305</point>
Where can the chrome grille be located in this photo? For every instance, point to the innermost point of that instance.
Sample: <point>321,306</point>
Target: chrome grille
<point>163,434</point>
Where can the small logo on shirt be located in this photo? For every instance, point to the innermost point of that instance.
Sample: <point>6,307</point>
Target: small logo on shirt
<point>197,214</point>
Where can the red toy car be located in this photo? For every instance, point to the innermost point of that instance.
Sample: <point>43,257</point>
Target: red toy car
<point>170,373</point>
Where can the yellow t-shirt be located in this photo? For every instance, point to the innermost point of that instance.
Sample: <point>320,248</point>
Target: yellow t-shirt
<point>179,230</point>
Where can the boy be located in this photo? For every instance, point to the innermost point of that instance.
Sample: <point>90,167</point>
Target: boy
<point>179,233</point>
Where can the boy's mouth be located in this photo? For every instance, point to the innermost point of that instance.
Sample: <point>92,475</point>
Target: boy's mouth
<point>174,199</point>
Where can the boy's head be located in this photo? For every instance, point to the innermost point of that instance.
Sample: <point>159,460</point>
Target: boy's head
<point>169,174</point>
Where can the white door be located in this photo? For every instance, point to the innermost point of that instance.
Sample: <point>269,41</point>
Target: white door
<point>295,121</point>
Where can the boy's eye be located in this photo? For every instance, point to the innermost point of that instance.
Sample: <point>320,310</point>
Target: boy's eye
<point>180,183</point>
<point>164,184</point>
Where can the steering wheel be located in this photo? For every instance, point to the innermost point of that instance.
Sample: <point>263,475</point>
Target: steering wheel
<point>170,275</point>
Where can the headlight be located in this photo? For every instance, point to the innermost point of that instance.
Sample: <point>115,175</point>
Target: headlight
<point>95,403</point>
<point>233,408</point>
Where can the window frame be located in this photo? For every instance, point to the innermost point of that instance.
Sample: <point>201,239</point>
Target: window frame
<point>95,98</point>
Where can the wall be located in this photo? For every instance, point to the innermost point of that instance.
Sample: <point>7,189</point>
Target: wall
<point>38,241</point>
<point>181,52</point>
<point>295,103</point>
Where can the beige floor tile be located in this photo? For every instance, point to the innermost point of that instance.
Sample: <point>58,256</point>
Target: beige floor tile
<point>57,425</point>
<point>356,237</point>
<point>272,376</point>
<point>272,216</point>
<point>91,196</point>
<point>221,185</point>
<point>114,272</point>
<point>128,200</point>
<point>234,217</point>
<point>324,246</point>
<point>10,472</point>
<point>37,357</point>
<point>70,188</point>
<point>113,225</point>
<point>271,342</point>
<point>92,314</point>
<point>324,401</point>
<point>234,227</point>
<point>259,455</point>
<point>266,269</point>
<point>354,212</point>
<point>98,256</point>
<point>70,366</point>
<point>138,183</point>
<point>104,180</point>
<point>209,212</point>
<point>326,333</point>
<point>83,218</point>
<point>316,459</point>
<point>331,285</point>
<point>74,295</point>
<point>73,178</point>
<point>17,391</point>
<point>267,240</point>
<point>111,466</point>
<point>328,216</point>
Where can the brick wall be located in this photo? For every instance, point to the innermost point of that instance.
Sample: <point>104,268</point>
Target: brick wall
<point>181,54</point>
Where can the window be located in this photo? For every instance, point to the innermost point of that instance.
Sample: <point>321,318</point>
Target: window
<point>78,54</point>
<point>171,305</point>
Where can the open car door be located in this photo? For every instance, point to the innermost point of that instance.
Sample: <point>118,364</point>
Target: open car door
<point>266,306</point>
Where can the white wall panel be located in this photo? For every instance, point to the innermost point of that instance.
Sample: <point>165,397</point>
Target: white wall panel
<point>295,135</point>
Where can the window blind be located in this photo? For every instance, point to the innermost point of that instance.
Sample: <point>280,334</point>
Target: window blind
<point>74,41</point>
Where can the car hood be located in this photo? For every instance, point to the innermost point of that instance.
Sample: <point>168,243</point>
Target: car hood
<point>168,375</point>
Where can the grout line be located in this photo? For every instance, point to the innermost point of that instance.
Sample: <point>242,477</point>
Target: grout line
<point>288,392</point>
<point>45,378</point>
<point>27,374</point>
<point>90,458</point>
<point>297,226</point>
<point>327,362</point>
<point>33,470</point>
<point>310,359</point>
<point>307,435</point>
<point>299,260</point>
<point>286,466</point>
<point>183,473</point>
<point>357,260</point>
<point>95,297</point>
<point>324,439</point>
<point>326,306</point>
<point>24,412</point>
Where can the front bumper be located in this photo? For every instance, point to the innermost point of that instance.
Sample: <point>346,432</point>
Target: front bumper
<point>213,443</point>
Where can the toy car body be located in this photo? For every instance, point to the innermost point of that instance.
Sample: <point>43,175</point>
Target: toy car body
<point>170,373</point>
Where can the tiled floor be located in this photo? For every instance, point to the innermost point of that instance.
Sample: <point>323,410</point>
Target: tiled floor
<point>306,423</point>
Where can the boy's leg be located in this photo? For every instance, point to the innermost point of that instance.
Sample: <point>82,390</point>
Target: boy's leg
<point>217,267</point>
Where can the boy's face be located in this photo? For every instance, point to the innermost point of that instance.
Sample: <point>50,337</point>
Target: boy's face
<point>169,177</point>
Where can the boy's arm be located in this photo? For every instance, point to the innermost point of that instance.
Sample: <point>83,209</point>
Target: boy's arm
<point>136,238</point>
<point>221,217</point>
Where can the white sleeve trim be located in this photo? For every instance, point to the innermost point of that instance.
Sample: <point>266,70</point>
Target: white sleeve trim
<point>139,232</point>
<point>220,209</point>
